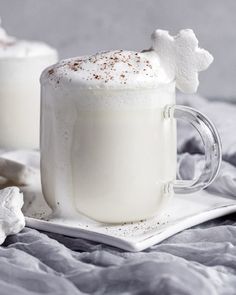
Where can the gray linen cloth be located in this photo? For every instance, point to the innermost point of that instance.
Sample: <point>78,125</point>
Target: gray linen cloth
<point>200,260</point>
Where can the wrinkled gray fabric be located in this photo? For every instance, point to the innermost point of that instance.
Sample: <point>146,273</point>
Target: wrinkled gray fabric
<point>200,260</point>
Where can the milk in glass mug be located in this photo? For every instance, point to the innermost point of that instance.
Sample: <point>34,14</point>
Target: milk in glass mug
<point>108,130</point>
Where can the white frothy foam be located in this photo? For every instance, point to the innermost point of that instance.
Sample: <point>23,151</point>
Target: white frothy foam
<point>112,69</point>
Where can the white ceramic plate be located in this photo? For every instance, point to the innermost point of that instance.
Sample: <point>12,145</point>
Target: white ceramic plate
<point>183,212</point>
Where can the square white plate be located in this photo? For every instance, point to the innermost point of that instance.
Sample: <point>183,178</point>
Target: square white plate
<point>183,212</point>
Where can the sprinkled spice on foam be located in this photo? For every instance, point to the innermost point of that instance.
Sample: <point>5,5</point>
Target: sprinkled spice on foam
<point>107,66</point>
<point>51,71</point>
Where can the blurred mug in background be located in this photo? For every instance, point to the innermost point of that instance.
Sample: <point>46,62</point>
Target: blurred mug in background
<point>21,63</point>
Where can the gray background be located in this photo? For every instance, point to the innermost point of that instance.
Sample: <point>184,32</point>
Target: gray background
<point>78,27</point>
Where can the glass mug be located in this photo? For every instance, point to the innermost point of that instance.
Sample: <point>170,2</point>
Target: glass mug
<point>112,154</point>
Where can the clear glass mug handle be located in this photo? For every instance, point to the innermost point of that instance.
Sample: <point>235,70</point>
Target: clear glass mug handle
<point>211,142</point>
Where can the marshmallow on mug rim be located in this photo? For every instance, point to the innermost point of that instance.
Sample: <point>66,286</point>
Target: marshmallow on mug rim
<point>181,57</point>
<point>169,59</point>
<point>12,219</point>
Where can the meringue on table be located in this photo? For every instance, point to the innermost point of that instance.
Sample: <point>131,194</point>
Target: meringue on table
<point>12,219</point>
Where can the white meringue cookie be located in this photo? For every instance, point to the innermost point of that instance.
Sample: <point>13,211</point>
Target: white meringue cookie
<point>181,57</point>
<point>12,219</point>
<point>18,173</point>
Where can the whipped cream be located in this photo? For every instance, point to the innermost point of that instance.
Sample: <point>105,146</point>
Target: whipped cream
<point>12,219</point>
<point>12,47</point>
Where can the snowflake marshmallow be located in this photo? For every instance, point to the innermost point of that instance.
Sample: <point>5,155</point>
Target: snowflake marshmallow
<point>181,57</point>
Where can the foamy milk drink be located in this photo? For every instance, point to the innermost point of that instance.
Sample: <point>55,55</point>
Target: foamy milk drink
<point>21,63</point>
<point>108,130</point>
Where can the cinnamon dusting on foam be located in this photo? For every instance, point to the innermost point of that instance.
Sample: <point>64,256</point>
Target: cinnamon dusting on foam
<point>113,68</point>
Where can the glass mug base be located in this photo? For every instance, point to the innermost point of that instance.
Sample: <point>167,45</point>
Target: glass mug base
<point>117,212</point>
